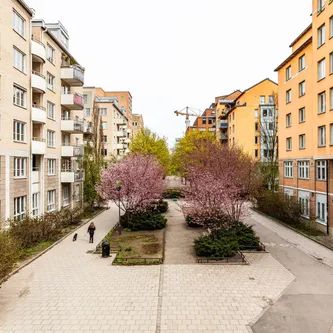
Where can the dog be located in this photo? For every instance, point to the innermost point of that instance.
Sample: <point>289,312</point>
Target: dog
<point>75,237</point>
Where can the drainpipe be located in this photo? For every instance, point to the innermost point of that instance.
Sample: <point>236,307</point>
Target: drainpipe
<point>327,198</point>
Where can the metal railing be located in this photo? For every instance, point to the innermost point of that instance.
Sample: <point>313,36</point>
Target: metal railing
<point>38,139</point>
<point>39,107</point>
<point>39,74</point>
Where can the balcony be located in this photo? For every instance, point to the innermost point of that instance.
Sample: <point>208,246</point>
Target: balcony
<point>38,82</point>
<point>72,101</point>
<point>35,180</point>
<point>38,51</point>
<point>38,146</point>
<point>87,128</point>
<point>71,151</point>
<point>71,176</point>
<point>121,146</point>
<point>38,114</point>
<point>121,134</point>
<point>224,124</point>
<point>121,121</point>
<point>71,125</point>
<point>72,75</point>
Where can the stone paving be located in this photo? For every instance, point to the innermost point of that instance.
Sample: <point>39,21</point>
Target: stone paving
<point>70,290</point>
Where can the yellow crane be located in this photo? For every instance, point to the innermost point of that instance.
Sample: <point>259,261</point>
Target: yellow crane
<point>185,112</point>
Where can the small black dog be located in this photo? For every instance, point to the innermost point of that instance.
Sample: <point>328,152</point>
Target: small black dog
<point>75,237</point>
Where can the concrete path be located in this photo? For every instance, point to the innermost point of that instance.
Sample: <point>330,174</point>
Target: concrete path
<point>307,304</point>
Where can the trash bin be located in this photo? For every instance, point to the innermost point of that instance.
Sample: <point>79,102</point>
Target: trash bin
<point>105,249</point>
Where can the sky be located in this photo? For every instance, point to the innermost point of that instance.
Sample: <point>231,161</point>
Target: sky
<point>175,53</point>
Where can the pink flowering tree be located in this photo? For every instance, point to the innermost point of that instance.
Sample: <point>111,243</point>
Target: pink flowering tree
<point>133,184</point>
<point>221,181</point>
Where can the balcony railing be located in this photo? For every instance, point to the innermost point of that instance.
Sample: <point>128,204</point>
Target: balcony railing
<point>39,74</point>
<point>72,75</point>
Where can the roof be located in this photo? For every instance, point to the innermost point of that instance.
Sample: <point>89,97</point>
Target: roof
<point>301,35</point>
<point>26,7</point>
<point>301,48</point>
<point>257,84</point>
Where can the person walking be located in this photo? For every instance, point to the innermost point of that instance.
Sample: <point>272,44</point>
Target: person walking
<point>91,231</point>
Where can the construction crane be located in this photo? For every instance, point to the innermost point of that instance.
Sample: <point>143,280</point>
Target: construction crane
<point>185,112</point>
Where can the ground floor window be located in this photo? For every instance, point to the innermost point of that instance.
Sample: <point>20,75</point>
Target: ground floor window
<point>304,200</point>
<point>51,198</point>
<point>20,204</point>
<point>65,196</point>
<point>321,208</point>
<point>35,204</point>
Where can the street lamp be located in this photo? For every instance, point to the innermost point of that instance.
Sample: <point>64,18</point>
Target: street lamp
<point>118,188</point>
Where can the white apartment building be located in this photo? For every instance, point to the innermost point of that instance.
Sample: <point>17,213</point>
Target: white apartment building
<point>41,118</point>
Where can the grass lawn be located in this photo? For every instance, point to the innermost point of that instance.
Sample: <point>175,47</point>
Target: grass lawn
<point>137,247</point>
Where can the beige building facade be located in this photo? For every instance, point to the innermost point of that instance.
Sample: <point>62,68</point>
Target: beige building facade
<point>41,118</point>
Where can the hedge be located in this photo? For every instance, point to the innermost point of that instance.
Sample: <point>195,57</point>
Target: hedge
<point>8,253</point>
<point>173,193</point>
<point>143,221</point>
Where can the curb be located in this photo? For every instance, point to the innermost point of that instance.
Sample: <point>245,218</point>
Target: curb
<point>291,228</point>
<point>16,270</point>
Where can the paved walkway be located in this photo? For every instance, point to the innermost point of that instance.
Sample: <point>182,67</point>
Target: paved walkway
<point>307,304</point>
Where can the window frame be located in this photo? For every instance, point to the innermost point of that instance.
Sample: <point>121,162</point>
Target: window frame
<point>288,73</point>
<point>51,166</point>
<point>302,142</point>
<point>50,138</point>
<point>322,106</point>
<point>321,139</point>
<point>50,84</point>
<point>21,100</point>
<point>321,69</point>
<point>289,144</point>
<point>19,167</point>
<point>19,131</point>
<point>321,35</point>
<point>301,63</point>
<point>288,120</point>
<point>20,207</point>
<point>321,170</point>
<point>22,31</point>
<point>303,169</point>
<point>50,111</point>
<point>301,111</point>
<point>301,89</point>
<point>51,205</point>
<point>288,168</point>
<point>17,51</point>
<point>288,96</point>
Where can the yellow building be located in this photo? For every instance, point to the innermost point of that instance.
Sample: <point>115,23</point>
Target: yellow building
<point>305,118</point>
<point>252,118</point>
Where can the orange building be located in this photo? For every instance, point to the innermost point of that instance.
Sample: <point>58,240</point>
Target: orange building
<point>305,118</point>
<point>205,122</point>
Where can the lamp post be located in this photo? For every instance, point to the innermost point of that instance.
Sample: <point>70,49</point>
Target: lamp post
<point>118,188</point>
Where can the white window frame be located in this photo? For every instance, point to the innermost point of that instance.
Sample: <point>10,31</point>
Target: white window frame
<point>50,81</point>
<point>331,134</point>
<point>331,26</point>
<point>301,89</point>
<point>321,169</point>
<point>288,120</point>
<point>288,169</point>
<point>321,35</point>
<point>20,207</point>
<point>331,98</point>
<point>20,167</point>
<point>87,112</point>
<point>304,200</point>
<point>288,96</point>
<point>322,102</point>
<point>289,144</point>
<point>321,69</point>
<point>19,96</point>
<point>35,204</point>
<point>321,209</point>
<point>51,166</point>
<point>66,198</point>
<point>19,60</point>
<point>50,110</point>
<point>303,169</point>
<point>19,131</point>
<point>18,23</point>
<point>320,5</point>
<point>288,73</point>
<point>51,139</point>
<point>301,63</point>
<point>51,200</point>
<point>301,115</point>
<point>50,53</point>
<point>301,141</point>
<point>322,136</point>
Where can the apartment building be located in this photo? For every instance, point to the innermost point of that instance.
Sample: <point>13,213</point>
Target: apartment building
<point>40,116</point>
<point>137,124</point>
<point>103,112</point>
<point>205,122</point>
<point>305,118</point>
<point>252,120</point>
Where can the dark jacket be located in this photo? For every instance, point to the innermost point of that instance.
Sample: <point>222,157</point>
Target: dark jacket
<point>91,230</point>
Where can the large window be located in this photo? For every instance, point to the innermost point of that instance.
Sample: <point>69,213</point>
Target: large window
<point>322,136</point>
<point>288,73</point>
<point>288,169</point>
<point>301,140</point>
<point>20,167</point>
<point>19,60</point>
<point>321,67</point>
<point>304,200</point>
<point>322,102</point>
<point>303,169</point>
<point>19,131</point>
<point>18,23</point>
<point>321,170</point>
<point>50,81</point>
<point>301,115</point>
<point>102,111</point>
<point>50,138</point>
<point>35,204</point>
<point>50,110</point>
<point>20,204</point>
<point>288,144</point>
<point>50,52</point>
<point>321,35</point>
<point>320,5</point>
<point>51,167</point>
<point>19,96</point>
<point>301,63</point>
<point>301,89</point>
<point>321,208</point>
<point>51,199</point>
<point>288,96</point>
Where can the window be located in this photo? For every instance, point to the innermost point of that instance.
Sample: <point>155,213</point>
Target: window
<point>288,96</point>
<point>331,99</point>
<point>331,63</point>
<point>301,115</point>
<point>256,140</point>
<point>288,169</point>
<point>303,169</point>
<point>301,141</point>
<point>262,100</point>
<point>288,144</point>
<point>271,99</point>
<point>50,81</point>
<point>35,204</point>
<point>85,98</point>
<point>87,112</point>
<point>102,111</point>
<point>51,167</point>
<point>322,136</point>
<point>105,138</point>
<point>104,125</point>
<point>288,73</point>
<point>301,63</point>
<point>320,6</point>
<point>321,69</point>
<point>65,196</point>
<point>19,96</point>
<point>20,204</point>
<point>331,134</point>
<point>321,208</point>
<point>256,153</point>
<point>256,126</point>
<point>104,152</point>
<point>331,26</point>
<point>19,131</point>
<point>322,102</point>
<point>19,60</point>
<point>51,197</point>
<point>304,200</point>
<point>50,110</point>
<point>204,121</point>
<point>301,89</point>
<point>50,53</point>
<point>20,167</point>
<point>321,35</point>
<point>50,138</point>
<point>18,23</point>
<point>321,170</point>
<point>288,120</point>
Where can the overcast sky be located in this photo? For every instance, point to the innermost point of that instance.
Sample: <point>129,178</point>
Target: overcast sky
<point>174,53</point>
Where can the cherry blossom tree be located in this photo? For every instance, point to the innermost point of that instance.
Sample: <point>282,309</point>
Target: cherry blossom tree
<point>221,181</point>
<point>133,184</point>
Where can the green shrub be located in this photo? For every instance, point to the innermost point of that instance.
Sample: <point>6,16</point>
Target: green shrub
<point>162,206</point>
<point>173,193</point>
<point>191,222</point>
<point>207,246</point>
<point>8,253</point>
<point>143,221</point>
